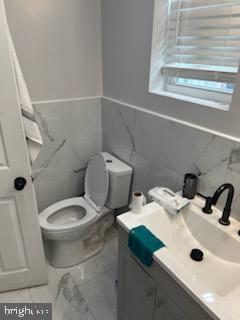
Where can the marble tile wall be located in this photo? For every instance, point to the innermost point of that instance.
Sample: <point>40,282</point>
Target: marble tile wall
<point>161,152</point>
<point>71,135</point>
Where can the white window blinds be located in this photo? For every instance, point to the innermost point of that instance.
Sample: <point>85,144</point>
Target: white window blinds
<point>202,49</point>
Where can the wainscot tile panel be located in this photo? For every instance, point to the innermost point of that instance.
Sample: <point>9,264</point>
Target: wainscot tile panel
<point>162,151</point>
<point>71,135</point>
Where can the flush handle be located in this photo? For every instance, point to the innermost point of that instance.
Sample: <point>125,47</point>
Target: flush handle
<point>19,183</point>
<point>149,292</point>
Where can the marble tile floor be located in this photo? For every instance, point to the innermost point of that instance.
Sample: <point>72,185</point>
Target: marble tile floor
<point>83,292</point>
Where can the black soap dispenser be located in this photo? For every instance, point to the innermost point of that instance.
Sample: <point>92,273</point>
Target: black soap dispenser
<point>190,185</point>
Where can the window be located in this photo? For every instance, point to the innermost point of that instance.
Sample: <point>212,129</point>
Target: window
<point>198,55</point>
<point>206,85</point>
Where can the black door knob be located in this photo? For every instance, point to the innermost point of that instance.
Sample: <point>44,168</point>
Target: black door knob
<point>19,183</point>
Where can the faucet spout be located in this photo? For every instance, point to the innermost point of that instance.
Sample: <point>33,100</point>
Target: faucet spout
<point>224,220</point>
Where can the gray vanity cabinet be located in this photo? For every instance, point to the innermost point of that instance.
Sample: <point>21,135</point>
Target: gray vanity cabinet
<point>151,293</point>
<point>136,290</point>
<point>139,297</point>
<point>165,309</point>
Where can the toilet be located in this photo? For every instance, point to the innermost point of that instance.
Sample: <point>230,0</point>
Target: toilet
<point>74,229</point>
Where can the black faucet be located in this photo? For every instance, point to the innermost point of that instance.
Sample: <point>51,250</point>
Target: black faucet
<point>211,201</point>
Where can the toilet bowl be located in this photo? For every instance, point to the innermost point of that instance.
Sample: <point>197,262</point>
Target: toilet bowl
<point>68,220</point>
<point>74,228</point>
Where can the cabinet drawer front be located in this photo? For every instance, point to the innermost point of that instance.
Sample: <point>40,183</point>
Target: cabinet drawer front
<point>136,291</point>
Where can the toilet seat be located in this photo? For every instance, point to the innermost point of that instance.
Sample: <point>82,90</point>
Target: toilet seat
<point>57,218</point>
<point>79,212</point>
<point>96,182</point>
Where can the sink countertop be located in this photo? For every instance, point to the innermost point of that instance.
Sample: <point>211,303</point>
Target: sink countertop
<point>220,304</point>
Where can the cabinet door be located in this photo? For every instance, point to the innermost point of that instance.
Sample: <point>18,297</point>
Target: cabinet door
<point>165,308</point>
<point>136,290</point>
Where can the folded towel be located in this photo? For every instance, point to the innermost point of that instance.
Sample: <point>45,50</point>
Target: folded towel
<point>32,132</point>
<point>169,200</point>
<point>143,244</point>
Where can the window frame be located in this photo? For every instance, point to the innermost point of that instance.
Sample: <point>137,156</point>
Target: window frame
<point>159,70</point>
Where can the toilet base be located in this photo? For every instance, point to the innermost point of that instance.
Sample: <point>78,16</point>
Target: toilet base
<point>63,254</point>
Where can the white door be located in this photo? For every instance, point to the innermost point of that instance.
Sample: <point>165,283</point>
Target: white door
<point>22,261</point>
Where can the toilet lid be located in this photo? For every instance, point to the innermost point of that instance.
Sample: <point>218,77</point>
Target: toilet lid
<point>97,180</point>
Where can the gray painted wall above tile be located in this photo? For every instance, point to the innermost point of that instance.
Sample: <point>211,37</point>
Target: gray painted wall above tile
<point>58,43</point>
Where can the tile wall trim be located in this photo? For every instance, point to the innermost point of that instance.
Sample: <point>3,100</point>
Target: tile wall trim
<point>131,106</point>
<point>185,123</point>
<point>66,100</point>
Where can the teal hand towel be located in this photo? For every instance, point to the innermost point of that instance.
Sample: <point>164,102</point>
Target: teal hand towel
<point>143,244</point>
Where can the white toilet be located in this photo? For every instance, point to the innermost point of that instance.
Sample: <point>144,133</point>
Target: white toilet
<point>74,228</point>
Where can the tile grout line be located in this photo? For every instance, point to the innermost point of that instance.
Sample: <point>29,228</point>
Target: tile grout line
<point>30,294</point>
<point>94,278</point>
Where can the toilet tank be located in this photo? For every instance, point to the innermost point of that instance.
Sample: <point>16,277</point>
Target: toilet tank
<point>120,175</point>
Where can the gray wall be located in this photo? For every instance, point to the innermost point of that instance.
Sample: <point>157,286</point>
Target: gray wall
<point>127,36</point>
<point>59,47</point>
<point>159,150</point>
<point>58,43</point>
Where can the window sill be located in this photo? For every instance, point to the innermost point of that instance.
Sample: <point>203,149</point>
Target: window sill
<point>200,67</point>
<point>203,102</point>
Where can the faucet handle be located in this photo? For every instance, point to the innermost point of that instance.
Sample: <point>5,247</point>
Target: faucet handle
<point>208,206</point>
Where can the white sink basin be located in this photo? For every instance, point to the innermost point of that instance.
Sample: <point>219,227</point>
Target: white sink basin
<point>216,279</point>
<point>220,268</point>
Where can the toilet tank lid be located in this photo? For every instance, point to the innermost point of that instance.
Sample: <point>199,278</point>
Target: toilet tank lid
<point>115,166</point>
<point>97,180</point>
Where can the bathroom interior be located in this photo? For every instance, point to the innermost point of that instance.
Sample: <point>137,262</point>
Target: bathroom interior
<point>120,159</point>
